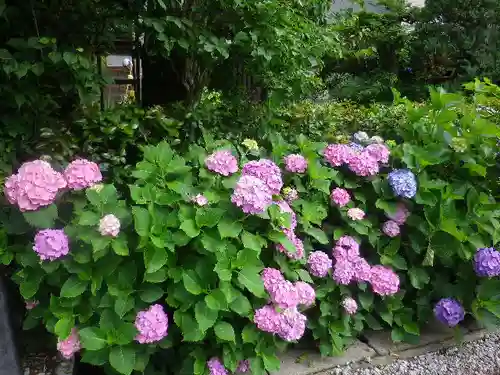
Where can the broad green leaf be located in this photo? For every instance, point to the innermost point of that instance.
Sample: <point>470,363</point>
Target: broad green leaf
<point>216,300</point>
<point>122,359</point>
<point>208,216</point>
<point>317,234</point>
<point>205,317</point>
<point>192,282</point>
<point>156,277</point>
<point>151,293</point>
<point>189,227</point>
<point>366,300</point>
<point>120,246</point>
<point>229,229</point>
<point>96,358</point>
<point>141,220</point>
<point>271,362</point>
<point>225,331</point>
<point>249,277</point>
<point>154,258</point>
<point>63,327</point>
<point>188,326</point>
<point>123,305</point>
<point>42,218</point>
<point>252,241</point>
<point>92,338</point>
<point>125,334</point>
<point>73,287</point>
<point>89,218</point>
<point>241,305</point>
<point>419,277</point>
<point>250,334</point>
<point>304,276</point>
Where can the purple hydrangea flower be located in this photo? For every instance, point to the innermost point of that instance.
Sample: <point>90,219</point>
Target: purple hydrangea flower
<point>216,367</point>
<point>403,183</point>
<point>487,262</point>
<point>51,244</point>
<point>267,171</point>
<point>252,195</point>
<point>449,311</point>
<point>319,263</point>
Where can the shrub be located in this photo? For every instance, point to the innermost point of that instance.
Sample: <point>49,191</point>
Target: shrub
<point>207,266</point>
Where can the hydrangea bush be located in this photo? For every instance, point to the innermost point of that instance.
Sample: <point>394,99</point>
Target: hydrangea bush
<point>224,255</point>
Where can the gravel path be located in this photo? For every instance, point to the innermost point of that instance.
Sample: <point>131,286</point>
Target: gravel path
<point>481,357</point>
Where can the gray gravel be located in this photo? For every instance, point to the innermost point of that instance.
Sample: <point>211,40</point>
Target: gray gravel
<point>481,357</point>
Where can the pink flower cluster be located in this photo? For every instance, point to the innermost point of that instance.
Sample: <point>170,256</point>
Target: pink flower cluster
<point>297,244</point>
<point>351,266</point>
<point>361,161</point>
<point>222,162</point>
<point>350,305</point>
<point>109,225</point>
<point>267,171</point>
<point>152,325</point>
<point>51,244</point>
<point>295,163</point>
<point>392,227</point>
<point>215,367</point>
<point>356,214</point>
<point>282,317</point>
<point>37,184</point>
<point>252,195</point>
<point>340,197</point>
<point>319,263</point>
<point>200,200</point>
<point>70,345</point>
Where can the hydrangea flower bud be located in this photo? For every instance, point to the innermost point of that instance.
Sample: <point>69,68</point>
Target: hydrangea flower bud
<point>290,194</point>
<point>70,345</point>
<point>216,367</point>
<point>350,305</point>
<point>391,228</point>
<point>356,214</point>
<point>200,200</point>
<point>109,225</point>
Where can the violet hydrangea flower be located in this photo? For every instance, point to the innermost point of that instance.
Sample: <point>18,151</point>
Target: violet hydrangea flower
<point>215,367</point>
<point>295,163</point>
<point>350,305</point>
<point>81,174</point>
<point>284,294</point>
<point>384,281</point>
<point>70,345</point>
<point>35,185</point>
<point>306,293</point>
<point>51,244</point>
<point>363,164</point>
<point>271,277</point>
<point>109,225</point>
<point>362,269</point>
<point>391,228</point>
<point>252,195</point>
<point>343,272</point>
<point>403,183</point>
<point>222,162</point>
<point>319,263</point>
<point>449,311</point>
<point>292,325</point>
<point>401,214</point>
<point>346,248</point>
<point>152,325</point>
<point>379,152</point>
<point>243,367</point>
<point>487,262</point>
<point>267,171</point>
<point>267,319</point>
<point>340,197</point>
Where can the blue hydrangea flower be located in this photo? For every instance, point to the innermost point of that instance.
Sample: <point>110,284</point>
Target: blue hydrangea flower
<point>449,311</point>
<point>487,262</point>
<point>403,183</point>
<point>356,146</point>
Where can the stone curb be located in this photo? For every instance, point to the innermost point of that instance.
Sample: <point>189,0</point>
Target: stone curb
<point>377,349</point>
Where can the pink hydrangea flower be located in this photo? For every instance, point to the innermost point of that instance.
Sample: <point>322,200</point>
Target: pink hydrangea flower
<point>267,319</point>
<point>70,345</point>
<point>379,152</point>
<point>363,164</point>
<point>292,325</point>
<point>401,215</point>
<point>356,213</point>
<point>222,162</point>
<point>343,272</point>
<point>337,154</point>
<point>349,243</point>
<point>346,249</point>
<point>350,305</point>
<point>109,225</point>
<point>284,294</point>
<point>34,186</point>
<point>200,200</point>
<point>271,277</point>
<point>152,325</point>
<point>252,195</point>
<point>243,367</point>
<point>30,305</point>
<point>391,228</point>
<point>267,171</point>
<point>295,163</point>
<point>290,194</point>
<point>51,244</point>
<point>340,197</point>
<point>285,208</point>
<point>319,263</point>
<point>362,269</point>
<point>306,293</point>
<point>81,174</point>
<point>216,367</point>
<point>384,281</point>
<point>297,243</point>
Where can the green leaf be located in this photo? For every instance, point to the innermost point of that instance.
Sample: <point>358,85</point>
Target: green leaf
<point>397,261</point>
<point>141,220</point>
<point>366,300</point>
<point>189,227</point>
<point>191,282</point>
<point>205,317</point>
<point>63,327</point>
<point>122,359</point>
<point>125,333</point>
<point>89,218</point>
<point>271,362</point>
<point>154,258</point>
<point>252,241</point>
<point>188,326</point>
<point>123,305</point>
<point>304,276</point>
<point>216,300</point>
<point>156,277</point>
<point>151,293</point>
<point>42,218</point>
<point>92,338</point>
<point>250,334</point>
<point>120,246</point>
<point>249,277</point>
<point>225,331</point>
<point>397,334</point>
<point>96,358</point>
<point>73,287</point>
<point>317,234</point>
<point>208,216</point>
<point>241,305</point>
<point>229,229</point>
<point>419,277</point>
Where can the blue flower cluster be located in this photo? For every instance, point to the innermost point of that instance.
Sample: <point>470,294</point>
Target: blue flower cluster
<point>449,311</point>
<point>403,183</point>
<point>487,262</point>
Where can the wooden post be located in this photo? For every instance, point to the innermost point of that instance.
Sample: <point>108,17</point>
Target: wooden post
<point>9,360</point>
